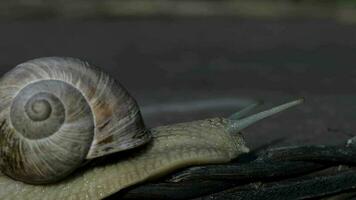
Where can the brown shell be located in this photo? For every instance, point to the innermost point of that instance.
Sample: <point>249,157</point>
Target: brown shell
<point>74,109</point>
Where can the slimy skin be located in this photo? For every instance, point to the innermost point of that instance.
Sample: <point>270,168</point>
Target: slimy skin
<point>172,147</point>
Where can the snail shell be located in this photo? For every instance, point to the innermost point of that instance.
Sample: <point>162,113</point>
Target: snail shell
<point>56,113</point>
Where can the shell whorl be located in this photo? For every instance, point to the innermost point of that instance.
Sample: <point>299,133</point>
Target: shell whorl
<point>57,112</point>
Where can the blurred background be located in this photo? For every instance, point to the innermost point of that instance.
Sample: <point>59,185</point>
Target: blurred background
<point>194,59</point>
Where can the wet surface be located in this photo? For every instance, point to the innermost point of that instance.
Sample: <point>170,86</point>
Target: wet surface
<point>181,70</point>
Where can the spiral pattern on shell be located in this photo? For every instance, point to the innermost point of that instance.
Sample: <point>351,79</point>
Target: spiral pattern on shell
<point>56,113</point>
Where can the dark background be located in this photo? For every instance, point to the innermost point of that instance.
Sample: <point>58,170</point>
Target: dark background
<point>191,60</point>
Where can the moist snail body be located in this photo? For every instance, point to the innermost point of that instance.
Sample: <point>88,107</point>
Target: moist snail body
<point>57,114</point>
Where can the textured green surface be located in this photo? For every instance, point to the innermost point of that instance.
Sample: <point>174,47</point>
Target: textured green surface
<point>63,9</point>
<point>173,147</point>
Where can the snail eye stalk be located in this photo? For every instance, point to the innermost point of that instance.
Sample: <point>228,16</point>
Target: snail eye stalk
<point>237,124</point>
<point>245,111</point>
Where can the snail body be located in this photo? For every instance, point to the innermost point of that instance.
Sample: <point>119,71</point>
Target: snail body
<point>172,147</point>
<point>57,114</point>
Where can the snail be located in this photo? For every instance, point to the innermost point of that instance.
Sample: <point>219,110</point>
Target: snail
<point>60,115</point>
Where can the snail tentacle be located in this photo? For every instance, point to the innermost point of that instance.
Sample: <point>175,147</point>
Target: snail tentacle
<point>237,125</point>
<point>245,111</point>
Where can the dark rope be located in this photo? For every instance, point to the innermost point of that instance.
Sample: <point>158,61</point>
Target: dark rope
<point>296,172</point>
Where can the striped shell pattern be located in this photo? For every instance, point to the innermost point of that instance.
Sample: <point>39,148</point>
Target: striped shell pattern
<point>58,113</point>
